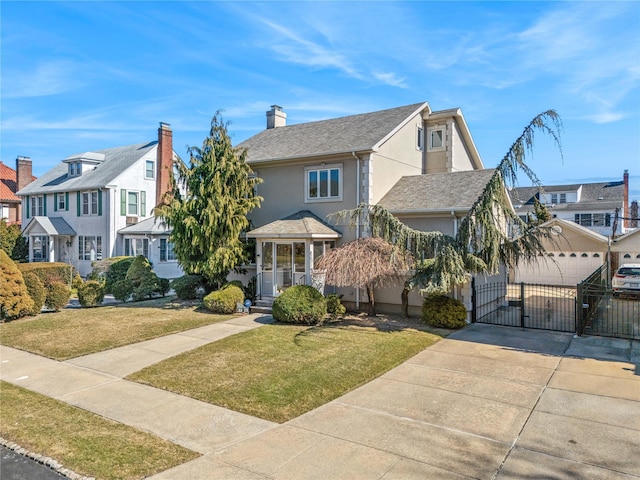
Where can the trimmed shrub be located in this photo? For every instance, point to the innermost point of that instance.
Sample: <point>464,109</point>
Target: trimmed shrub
<point>186,287</point>
<point>164,285</point>
<point>14,297</point>
<point>224,300</point>
<point>58,295</point>
<point>144,281</point>
<point>37,291</point>
<point>335,309</point>
<point>76,282</point>
<point>442,311</point>
<point>50,272</point>
<point>91,293</point>
<point>122,290</point>
<point>116,271</point>
<point>301,304</point>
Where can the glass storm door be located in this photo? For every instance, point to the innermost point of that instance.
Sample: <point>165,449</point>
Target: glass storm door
<point>283,266</point>
<point>267,269</point>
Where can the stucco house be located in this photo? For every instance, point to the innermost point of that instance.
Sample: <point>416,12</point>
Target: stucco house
<point>591,205</point>
<point>311,170</point>
<point>10,182</point>
<point>79,211</point>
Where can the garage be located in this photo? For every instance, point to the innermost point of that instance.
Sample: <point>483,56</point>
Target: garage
<point>572,253</point>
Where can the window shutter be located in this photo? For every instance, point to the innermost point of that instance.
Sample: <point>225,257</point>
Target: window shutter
<point>143,203</point>
<point>99,202</point>
<point>55,202</point>
<point>66,201</point>
<point>44,205</point>
<point>28,206</point>
<point>78,202</point>
<point>123,202</point>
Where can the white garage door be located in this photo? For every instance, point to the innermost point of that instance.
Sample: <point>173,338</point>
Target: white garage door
<point>570,268</point>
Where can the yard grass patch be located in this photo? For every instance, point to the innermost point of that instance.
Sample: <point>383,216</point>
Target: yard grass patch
<point>278,372</point>
<point>84,442</point>
<point>71,333</point>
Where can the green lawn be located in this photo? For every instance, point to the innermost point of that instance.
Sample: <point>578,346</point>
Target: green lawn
<point>86,443</point>
<point>278,372</point>
<point>71,333</point>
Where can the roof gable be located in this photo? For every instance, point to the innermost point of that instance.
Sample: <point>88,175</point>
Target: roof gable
<point>361,132</point>
<point>302,224</point>
<point>437,191</point>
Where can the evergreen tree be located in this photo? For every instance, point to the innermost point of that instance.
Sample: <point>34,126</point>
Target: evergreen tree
<point>12,241</point>
<point>208,219</point>
<point>14,297</point>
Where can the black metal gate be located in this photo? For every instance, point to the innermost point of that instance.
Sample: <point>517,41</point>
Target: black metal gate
<point>603,313</point>
<point>525,305</point>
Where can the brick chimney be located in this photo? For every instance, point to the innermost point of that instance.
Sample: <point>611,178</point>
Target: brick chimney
<point>164,161</point>
<point>276,117</point>
<point>625,205</point>
<point>24,176</point>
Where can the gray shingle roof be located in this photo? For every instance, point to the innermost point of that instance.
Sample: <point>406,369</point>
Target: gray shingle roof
<point>303,224</point>
<point>53,225</point>
<point>151,226</point>
<point>595,196</point>
<point>436,191</point>
<point>116,160</point>
<point>338,135</point>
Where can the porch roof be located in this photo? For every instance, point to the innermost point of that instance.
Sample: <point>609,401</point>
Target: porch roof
<point>148,226</point>
<point>302,224</point>
<point>53,226</point>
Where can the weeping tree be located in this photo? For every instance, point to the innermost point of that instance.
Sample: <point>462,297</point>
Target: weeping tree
<point>485,238</point>
<point>367,263</point>
<point>207,220</point>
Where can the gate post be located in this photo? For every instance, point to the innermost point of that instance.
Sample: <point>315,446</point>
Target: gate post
<point>522,313</point>
<point>474,301</point>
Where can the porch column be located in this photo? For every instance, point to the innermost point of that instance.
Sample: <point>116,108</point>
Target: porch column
<point>52,248</point>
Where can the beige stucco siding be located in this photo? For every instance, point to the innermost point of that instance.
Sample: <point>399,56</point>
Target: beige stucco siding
<point>397,157</point>
<point>573,242</point>
<point>445,223</point>
<point>460,157</point>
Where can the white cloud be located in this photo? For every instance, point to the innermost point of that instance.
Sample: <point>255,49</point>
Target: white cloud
<point>48,78</point>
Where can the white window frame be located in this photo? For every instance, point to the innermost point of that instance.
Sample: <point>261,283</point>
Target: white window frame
<point>94,250</point>
<point>137,203</point>
<point>318,169</point>
<point>62,202</point>
<point>443,140</point>
<point>563,198</point>
<point>146,169</point>
<point>37,206</point>
<point>131,246</point>
<point>39,254</point>
<point>91,203</point>
<point>419,137</point>
<point>167,250</point>
<point>4,210</point>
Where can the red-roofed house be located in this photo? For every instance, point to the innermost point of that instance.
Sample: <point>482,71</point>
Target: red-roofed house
<point>10,182</point>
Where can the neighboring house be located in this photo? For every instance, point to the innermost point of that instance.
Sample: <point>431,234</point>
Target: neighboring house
<point>311,170</point>
<point>10,182</point>
<point>573,252</point>
<point>79,211</point>
<point>592,205</point>
<point>625,249</point>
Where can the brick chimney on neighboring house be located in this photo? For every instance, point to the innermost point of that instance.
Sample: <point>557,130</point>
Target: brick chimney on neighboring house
<point>24,176</point>
<point>625,205</point>
<point>164,161</point>
<point>276,117</point>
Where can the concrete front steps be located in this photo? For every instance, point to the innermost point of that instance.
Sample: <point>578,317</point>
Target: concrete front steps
<point>263,305</point>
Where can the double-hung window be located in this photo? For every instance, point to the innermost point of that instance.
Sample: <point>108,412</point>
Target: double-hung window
<point>89,247</point>
<point>150,170</point>
<point>136,246</point>
<point>167,253</point>
<point>323,183</point>
<point>37,206</point>
<point>90,203</point>
<point>132,203</point>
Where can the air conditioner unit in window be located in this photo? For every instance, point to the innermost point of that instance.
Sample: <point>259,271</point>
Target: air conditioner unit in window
<point>132,220</point>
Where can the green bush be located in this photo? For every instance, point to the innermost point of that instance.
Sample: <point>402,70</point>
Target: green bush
<point>301,304</point>
<point>122,290</point>
<point>50,272</point>
<point>186,287</point>
<point>14,297</point>
<point>335,309</point>
<point>76,282</point>
<point>58,295</point>
<point>224,300</point>
<point>144,281</point>
<point>91,293</point>
<point>37,291</point>
<point>237,283</point>
<point>164,285</point>
<point>116,271</point>
<point>442,311</point>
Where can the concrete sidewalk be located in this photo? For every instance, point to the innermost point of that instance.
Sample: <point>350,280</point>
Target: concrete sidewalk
<point>486,402</point>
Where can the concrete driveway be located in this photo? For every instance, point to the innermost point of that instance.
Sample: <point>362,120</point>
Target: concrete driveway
<point>487,402</point>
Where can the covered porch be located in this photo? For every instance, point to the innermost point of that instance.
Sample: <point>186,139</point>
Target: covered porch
<point>287,249</point>
<point>50,239</point>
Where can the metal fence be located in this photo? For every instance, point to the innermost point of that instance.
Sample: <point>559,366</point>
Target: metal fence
<point>525,305</point>
<point>602,312</point>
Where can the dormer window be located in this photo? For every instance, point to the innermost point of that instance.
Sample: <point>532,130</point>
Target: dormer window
<point>436,139</point>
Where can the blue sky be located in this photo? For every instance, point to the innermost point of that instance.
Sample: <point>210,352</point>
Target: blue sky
<point>80,76</point>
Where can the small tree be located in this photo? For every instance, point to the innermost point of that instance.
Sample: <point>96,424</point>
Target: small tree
<point>12,241</point>
<point>207,221</point>
<point>144,281</point>
<point>541,212</point>
<point>14,298</point>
